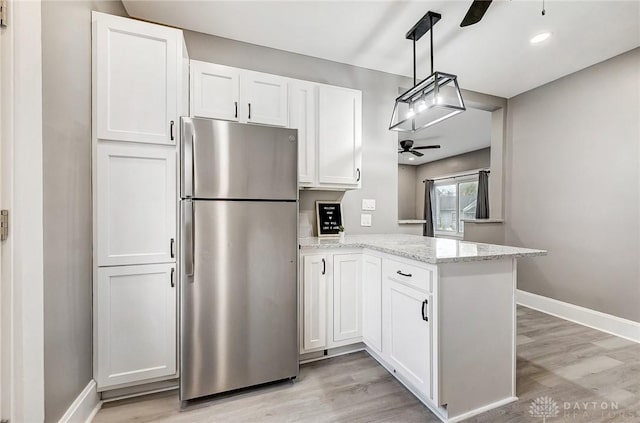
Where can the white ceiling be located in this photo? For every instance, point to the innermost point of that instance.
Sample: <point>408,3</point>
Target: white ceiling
<point>493,56</point>
<point>462,133</point>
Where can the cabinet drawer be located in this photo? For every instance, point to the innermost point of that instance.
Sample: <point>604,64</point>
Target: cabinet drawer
<point>409,274</point>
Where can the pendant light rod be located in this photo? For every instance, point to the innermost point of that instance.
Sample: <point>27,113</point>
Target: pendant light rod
<point>431,47</point>
<point>415,81</point>
<point>426,23</point>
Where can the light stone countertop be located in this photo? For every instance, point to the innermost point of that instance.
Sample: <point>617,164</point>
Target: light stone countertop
<point>425,249</point>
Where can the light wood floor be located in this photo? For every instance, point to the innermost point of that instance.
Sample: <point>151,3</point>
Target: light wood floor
<point>571,364</point>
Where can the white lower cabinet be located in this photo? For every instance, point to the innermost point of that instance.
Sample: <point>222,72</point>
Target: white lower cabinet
<point>136,319</point>
<point>314,287</point>
<point>372,301</point>
<point>406,340</point>
<point>347,297</point>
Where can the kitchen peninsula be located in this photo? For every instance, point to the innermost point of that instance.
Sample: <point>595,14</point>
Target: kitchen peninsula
<point>438,314</point>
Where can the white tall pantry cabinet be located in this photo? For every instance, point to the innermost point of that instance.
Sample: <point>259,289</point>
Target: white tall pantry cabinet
<point>138,97</point>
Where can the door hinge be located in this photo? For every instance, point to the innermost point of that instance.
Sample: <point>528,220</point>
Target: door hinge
<point>3,17</point>
<point>4,226</point>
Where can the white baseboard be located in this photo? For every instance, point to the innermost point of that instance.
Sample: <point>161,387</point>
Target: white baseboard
<point>85,407</point>
<point>608,323</point>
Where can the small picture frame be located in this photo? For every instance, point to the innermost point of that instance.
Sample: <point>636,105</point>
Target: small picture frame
<point>329,218</point>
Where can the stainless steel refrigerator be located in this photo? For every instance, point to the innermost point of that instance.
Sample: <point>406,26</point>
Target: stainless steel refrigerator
<point>238,262</point>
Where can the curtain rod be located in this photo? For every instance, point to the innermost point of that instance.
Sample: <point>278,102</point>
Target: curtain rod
<point>456,176</point>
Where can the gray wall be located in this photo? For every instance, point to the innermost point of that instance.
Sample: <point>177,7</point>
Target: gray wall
<point>572,186</point>
<point>407,192</point>
<point>379,90</point>
<point>479,159</point>
<point>66,121</point>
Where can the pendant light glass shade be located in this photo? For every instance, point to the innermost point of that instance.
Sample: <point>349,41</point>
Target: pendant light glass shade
<point>433,100</point>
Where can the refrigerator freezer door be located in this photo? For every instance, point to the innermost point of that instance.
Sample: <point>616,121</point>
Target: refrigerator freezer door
<point>228,160</point>
<point>239,309</point>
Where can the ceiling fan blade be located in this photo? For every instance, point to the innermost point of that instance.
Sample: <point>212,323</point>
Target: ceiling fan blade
<point>425,147</point>
<point>416,153</point>
<point>476,12</point>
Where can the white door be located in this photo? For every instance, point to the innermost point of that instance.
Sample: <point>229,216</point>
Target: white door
<point>315,302</point>
<point>372,301</point>
<point>215,91</point>
<point>135,323</point>
<point>136,204</point>
<point>406,335</point>
<point>136,79</point>
<point>302,116</point>
<point>347,297</point>
<point>265,98</point>
<point>339,135</point>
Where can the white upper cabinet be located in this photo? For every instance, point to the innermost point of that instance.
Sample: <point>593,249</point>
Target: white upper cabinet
<point>347,297</point>
<point>314,285</point>
<point>302,116</point>
<point>135,309</point>
<point>136,203</point>
<point>266,98</point>
<point>339,136</point>
<point>135,80</point>
<point>372,301</point>
<point>328,118</point>
<point>215,91</point>
<point>223,92</point>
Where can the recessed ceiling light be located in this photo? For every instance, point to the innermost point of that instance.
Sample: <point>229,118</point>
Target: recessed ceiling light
<point>412,158</point>
<point>540,38</point>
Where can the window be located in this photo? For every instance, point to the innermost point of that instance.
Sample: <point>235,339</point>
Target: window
<point>455,200</point>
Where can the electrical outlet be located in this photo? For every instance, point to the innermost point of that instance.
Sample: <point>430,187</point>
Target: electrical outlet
<point>368,204</point>
<point>365,219</point>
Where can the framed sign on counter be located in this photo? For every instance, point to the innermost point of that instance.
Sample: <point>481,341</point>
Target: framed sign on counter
<point>329,218</point>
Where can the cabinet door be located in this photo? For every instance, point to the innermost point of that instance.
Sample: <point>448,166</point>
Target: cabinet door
<point>315,302</point>
<point>372,301</point>
<point>265,98</point>
<point>136,66</point>
<point>406,336</point>
<point>215,91</point>
<point>136,204</point>
<point>302,116</point>
<point>339,135</point>
<point>135,324</point>
<point>347,297</point>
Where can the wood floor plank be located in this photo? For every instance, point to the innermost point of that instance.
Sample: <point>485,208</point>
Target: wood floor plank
<point>583,370</point>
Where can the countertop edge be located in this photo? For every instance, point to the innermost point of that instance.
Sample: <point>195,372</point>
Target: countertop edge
<point>443,260</point>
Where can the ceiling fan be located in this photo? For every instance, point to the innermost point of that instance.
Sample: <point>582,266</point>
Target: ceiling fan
<point>476,12</point>
<point>407,147</point>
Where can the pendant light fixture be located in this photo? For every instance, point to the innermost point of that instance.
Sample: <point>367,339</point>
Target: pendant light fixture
<point>433,99</point>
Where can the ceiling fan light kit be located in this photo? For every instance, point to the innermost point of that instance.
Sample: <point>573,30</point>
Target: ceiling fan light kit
<point>433,99</point>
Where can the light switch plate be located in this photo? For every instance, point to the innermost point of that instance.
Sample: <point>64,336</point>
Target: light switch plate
<point>368,204</point>
<point>365,219</point>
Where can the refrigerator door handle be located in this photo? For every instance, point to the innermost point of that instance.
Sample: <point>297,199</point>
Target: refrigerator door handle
<point>189,238</point>
<point>188,137</point>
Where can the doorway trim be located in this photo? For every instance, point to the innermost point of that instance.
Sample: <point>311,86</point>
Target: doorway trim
<point>22,279</point>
